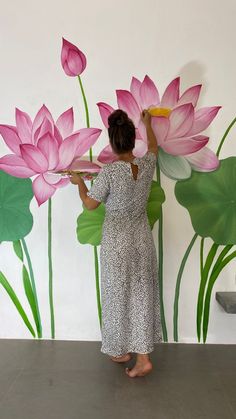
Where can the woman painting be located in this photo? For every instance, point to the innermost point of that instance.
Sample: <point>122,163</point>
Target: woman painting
<point>129,272</point>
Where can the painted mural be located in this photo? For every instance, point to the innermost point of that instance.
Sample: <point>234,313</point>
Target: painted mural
<point>42,149</point>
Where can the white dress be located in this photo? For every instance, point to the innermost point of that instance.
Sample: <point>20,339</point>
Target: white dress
<point>131,320</point>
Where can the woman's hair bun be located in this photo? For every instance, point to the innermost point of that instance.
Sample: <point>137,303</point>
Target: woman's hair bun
<point>121,131</point>
<point>117,118</point>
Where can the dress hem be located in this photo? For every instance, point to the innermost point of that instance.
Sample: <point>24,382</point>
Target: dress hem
<point>132,350</point>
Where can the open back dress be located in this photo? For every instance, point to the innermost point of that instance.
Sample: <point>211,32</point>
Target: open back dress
<point>131,320</point>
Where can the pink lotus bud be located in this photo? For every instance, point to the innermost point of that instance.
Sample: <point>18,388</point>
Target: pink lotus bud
<point>72,59</point>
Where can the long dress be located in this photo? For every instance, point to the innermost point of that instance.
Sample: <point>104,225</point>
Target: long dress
<point>131,320</point>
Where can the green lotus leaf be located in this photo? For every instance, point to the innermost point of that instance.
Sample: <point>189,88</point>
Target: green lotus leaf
<point>210,199</point>
<point>89,225</point>
<point>155,201</point>
<point>16,220</point>
<point>90,222</point>
<point>174,167</point>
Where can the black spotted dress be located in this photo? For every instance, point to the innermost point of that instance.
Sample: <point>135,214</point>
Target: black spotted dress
<point>131,320</point>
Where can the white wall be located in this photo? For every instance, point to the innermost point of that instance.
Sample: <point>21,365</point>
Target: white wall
<point>193,39</point>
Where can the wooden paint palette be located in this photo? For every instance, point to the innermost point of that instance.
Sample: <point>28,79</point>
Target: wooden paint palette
<point>69,172</point>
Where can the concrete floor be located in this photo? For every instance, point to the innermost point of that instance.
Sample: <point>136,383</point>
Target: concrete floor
<point>73,380</point>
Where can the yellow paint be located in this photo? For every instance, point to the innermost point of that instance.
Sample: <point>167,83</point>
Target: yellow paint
<point>159,112</point>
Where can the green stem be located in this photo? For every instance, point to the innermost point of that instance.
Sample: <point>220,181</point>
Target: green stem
<point>201,276</point>
<point>203,283</point>
<point>50,273</point>
<point>180,273</point>
<point>221,256</point>
<point>95,247</point>
<point>202,255</point>
<point>224,136</point>
<point>24,245</point>
<point>8,288</point>
<point>160,261</point>
<point>86,111</point>
<point>97,286</point>
<point>211,283</point>
<point>177,288</point>
<point>202,243</point>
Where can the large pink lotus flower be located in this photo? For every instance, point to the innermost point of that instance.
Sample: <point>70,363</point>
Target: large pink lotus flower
<point>178,126</point>
<point>44,146</point>
<point>72,59</point>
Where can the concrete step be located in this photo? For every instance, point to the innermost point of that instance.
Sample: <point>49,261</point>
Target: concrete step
<point>227,300</point>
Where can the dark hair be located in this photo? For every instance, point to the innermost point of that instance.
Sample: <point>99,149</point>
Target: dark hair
<point>121,131</point>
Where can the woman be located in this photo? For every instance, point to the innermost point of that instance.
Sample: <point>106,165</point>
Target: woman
<point>129,278</point>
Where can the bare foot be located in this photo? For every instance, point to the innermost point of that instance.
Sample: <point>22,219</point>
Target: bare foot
<point>122,358</point>
<point>140,369</point>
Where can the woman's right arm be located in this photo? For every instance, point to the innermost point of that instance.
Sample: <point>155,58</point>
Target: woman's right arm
<point>151,138</point>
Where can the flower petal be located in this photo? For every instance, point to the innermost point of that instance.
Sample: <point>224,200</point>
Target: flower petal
<point>42,113</point>
<point>142,130</point>
<point>24,126</point>
<point>148,93</point>
<point>105,110</point>
<point>73,59</point>
<point>107,155</point>
<point>138,134</point>
<point>135,89</point>
<point>174,167</point>
<point>127,103</point>
<point>202,119</point>
<point>171,94</point>
<point>34,158</point>
<point>45,128</point>
<point>204,160</point>
<point>56,180</point>
<point>62,183</point>
<point>15,166</point>
<point>57,135</point>
<point>67,70</point>
<point>190,95</point>
<point>140,148</point>
<point>87,138</point>
<point>52,178</point>
<point>42,190</point>
<point>183,146</point>
<point>49,147</point>
<point>11,138</point>
<point>65,123</point>
<point>160,127</point>
<point>181,120</point>
<point>67,151</point>
<point>74,62</point>
<point>85,166</point>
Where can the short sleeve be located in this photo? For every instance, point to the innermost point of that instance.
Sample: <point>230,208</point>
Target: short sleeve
<point>100,187</point>
<point>150,157</point>
<point>149,165</point>
<point>149,160</point>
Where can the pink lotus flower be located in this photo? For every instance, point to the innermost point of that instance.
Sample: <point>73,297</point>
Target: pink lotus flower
<point>44,146</point>
<point>72,59</point>
<point>182,147</point>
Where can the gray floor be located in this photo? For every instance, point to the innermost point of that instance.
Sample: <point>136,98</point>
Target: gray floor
<point>73,380</point>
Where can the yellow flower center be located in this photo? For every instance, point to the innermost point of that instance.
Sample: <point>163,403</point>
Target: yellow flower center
<point>159,112</point>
